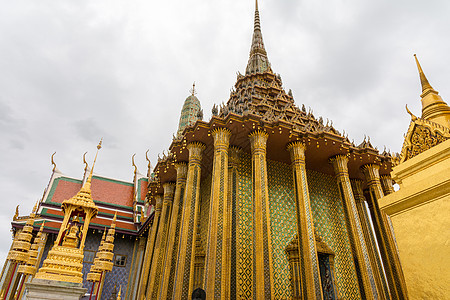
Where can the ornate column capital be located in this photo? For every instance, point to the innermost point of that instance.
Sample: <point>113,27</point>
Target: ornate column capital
<point>386,184</point>
<point>195,152</point>
<point>169,190</point>
<point>357,189</point>
<point>221,138</point>
<point>371,172</point>
<point>181,168</point>
<point>340,164</point>
<point>258,141</point>
<point>297,150</point>
<point>159,202</point>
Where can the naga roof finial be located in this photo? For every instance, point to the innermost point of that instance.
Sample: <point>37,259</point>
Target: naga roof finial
<point>53,162</point>
<point>86,166</point>
<point>133,164</point>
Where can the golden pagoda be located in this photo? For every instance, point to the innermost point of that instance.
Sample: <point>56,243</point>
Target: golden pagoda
<point>18,255</point>
<point>64,261</point>
<point>418,212</point>
<point>103,260</point>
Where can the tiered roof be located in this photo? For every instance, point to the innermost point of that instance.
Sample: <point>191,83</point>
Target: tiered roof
<point>109,196</point>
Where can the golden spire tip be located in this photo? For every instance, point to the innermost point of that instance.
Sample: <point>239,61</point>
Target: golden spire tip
<point>423,79</point>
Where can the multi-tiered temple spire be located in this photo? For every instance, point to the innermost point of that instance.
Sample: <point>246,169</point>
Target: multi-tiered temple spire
<point>258,61</point>
<point>433,107</point>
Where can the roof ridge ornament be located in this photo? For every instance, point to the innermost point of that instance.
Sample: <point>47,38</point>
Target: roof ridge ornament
<point>53,161</point>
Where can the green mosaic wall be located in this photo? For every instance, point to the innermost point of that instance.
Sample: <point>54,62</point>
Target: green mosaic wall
<point>329,223</point>
<point>328,218</point>
<point>283,223</point>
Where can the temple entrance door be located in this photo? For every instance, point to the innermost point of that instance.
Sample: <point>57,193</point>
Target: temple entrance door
<point>327,276</point>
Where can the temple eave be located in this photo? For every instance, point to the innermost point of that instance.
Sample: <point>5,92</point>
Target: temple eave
<point>281,133</point>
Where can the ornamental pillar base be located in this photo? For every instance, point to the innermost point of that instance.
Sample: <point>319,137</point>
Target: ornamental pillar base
<point>43,289</point>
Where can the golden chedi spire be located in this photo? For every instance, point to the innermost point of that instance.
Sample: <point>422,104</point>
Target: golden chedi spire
<point>29,268</point>
<point>433,107</point>
<point>64,261</point>
<point>258,61</point>
<point>104,256</point>
<point>22,241</point>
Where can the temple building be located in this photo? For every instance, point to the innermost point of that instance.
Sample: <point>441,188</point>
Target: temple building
<point>262,201</point>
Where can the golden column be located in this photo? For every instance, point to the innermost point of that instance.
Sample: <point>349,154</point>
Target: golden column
<point>161,239</point>
<point>166,286</point>
<point>386,184</point>
<point>355,233</point>
<point>386,243</point>
<point>262,239</point>
<point>231,225</point>
<point>311,287</point>
<point>217,276</point>
<point>149,248</point>
<point>372,249</point>
<point>188,231</point>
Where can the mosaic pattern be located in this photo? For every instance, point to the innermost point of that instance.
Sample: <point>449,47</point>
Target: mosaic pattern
<point>266,234</point>
<point>244,245</point>
<point>361,239</point>
<point>173,262</point>
<point>205,198</point>
<point>283,224</point>
<point>190,233</point>
<point>218,265</point>
<point>233,176</point>
<point>312,241</point>
<point>118,276</point>
<point>328,215</point>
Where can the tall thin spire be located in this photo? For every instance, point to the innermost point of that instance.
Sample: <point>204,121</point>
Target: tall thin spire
<point>423,80</point>
<point>433,107</point>
<point>258,61</point>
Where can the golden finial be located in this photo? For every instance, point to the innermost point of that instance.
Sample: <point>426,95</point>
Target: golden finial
<point>99,146</point>
<point>193,92</point>
<point>42,226</point>
<point>34,211</point>
<point>53,162</point>
<point>423,80</point>
<point>115,218</point>
<point>256,4</point>
<point>86,166</point>
<point>133,164</point>
<point>16,214</point>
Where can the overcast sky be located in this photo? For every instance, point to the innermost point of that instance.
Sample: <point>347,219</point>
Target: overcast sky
<point>72,72</point>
